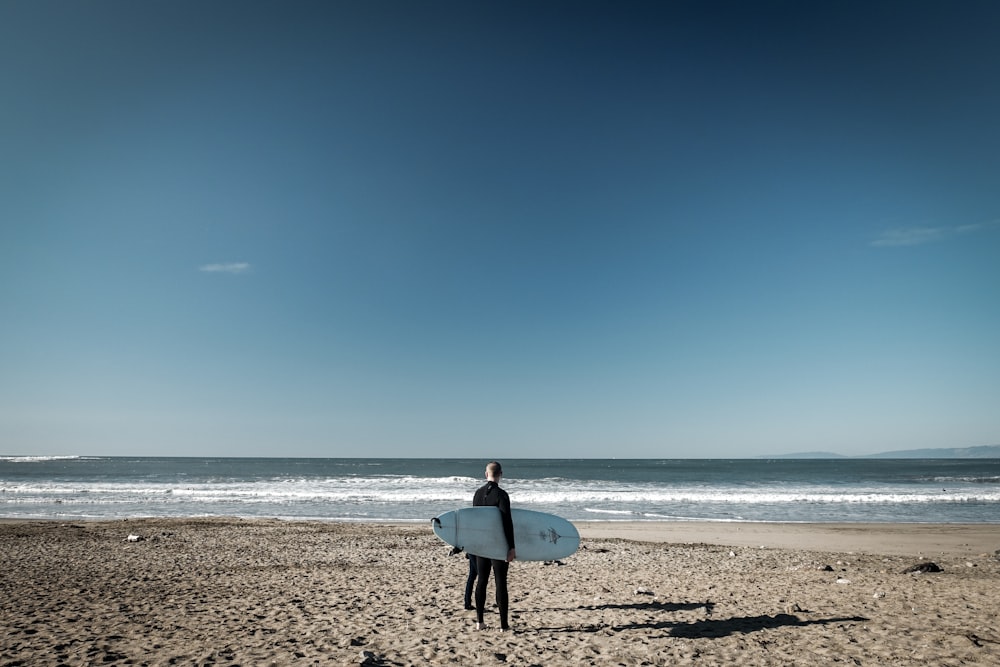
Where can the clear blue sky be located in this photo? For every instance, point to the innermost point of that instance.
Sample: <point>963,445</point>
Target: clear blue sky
<point>538,229</point>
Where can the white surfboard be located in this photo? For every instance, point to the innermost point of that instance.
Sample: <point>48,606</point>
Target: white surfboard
<point>479,531</point>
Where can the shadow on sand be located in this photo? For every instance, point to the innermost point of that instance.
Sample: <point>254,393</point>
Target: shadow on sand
<point>724,627</point>
<point>707,628</point>
<point>655,606</point>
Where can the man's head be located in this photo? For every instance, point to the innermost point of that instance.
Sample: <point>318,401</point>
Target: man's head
<point>493,471</point>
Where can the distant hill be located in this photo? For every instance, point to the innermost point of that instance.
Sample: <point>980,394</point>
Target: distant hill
<point>983,452</point>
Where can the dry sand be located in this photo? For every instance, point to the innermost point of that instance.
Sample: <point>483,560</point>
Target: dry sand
<point>262,592</point>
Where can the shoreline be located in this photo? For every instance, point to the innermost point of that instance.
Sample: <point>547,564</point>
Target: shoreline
<point>952,539</point>
<point>960,539</point>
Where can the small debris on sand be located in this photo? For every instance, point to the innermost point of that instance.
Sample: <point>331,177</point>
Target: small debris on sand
<point>923,567</point>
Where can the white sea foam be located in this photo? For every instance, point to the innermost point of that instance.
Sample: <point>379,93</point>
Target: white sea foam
<point>36,459</point>
<point>401,489</point>
<point>375,491</point>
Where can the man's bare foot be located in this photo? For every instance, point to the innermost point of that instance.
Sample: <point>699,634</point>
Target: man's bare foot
<point>481,626</point>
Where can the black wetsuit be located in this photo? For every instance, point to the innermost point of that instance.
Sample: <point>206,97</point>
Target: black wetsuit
<point>492,495</point>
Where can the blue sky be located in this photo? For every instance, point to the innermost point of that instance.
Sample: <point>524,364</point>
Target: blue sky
<point>499,229</point>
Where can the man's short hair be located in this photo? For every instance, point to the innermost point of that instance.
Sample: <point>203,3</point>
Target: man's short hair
<point>495,467</point>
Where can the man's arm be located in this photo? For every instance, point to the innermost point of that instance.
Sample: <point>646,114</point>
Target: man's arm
<point>508,525</point>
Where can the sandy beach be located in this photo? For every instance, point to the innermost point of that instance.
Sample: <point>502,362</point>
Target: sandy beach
<point>266,592</point>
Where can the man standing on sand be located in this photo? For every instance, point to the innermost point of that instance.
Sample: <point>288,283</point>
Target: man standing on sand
<point>490,494</point>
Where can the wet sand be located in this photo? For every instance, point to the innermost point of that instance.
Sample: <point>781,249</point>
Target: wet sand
<point>266,592</point>
<point>873,538</point>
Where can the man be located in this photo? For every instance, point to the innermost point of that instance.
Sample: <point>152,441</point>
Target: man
<point>490,494</point>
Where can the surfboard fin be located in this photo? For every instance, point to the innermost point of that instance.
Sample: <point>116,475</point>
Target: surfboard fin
<point>455,550</point>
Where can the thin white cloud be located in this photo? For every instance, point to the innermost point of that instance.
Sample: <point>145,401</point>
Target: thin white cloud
<point>231,267</point>
<point>911,236</point>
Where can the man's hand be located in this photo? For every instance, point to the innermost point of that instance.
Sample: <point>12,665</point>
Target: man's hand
<point>511,555</point>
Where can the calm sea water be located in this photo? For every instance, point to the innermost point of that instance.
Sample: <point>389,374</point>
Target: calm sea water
<point>853,490</point>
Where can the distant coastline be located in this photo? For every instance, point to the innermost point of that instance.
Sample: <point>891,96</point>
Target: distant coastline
<point>983,452</point>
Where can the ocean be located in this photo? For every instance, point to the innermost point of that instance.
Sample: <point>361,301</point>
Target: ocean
<point>414,490</point>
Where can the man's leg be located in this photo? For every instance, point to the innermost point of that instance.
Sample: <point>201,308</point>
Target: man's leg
<point>470,582</point>
<point>482,579</point>
<point>500,568</point>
